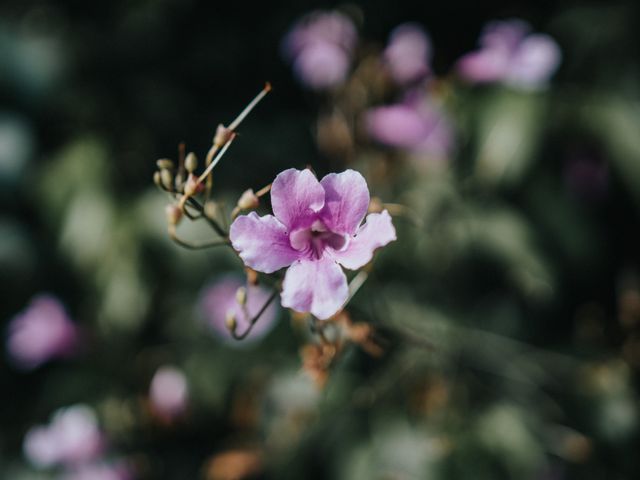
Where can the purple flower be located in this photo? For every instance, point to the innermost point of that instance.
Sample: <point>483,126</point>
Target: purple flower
<point>218,300</point>
<point>511,55</point>
<point>41,332</point>
<point>320,46</point>
<point>169,392</point>
<point>416,124</point>
<point>408,54</point>
<point>73,437</point>
<point>315,229</point>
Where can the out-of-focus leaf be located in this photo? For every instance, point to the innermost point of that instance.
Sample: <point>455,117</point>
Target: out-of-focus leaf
<point>508,126</point>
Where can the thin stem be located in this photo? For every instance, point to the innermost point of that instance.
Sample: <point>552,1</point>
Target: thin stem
<point>216,159</point>
<point>233,125</point>
<point>195,246</point>
<point>215,225</point>
<point>254,320</point>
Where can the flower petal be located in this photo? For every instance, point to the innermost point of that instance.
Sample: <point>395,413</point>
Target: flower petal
<point>375,233</point>
<point>262,242</point>
<point>296,197</point>
<point>346,201</point>
<point>316,286</point>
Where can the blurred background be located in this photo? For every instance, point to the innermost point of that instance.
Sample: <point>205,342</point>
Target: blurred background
<point>507,313</point>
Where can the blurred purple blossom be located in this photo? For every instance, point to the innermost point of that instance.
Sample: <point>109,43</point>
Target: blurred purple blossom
<point>218,299</point>
<point>315,228</point>
<point>169,391</point>
<point>71,438</point>
<point>320,46</point>
<point>417,124</point>
<point>40,332</point>
<point>408,54</point>
<point>510,54</point>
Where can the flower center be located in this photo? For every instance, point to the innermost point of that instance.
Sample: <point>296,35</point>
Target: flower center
<point>316,239</point>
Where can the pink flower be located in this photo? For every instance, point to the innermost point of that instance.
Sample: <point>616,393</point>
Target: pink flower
<point>416,124</point>
<point>73,437</point>
<point>320,46</point>
<point>511,55</point>
<point>218,299</point>
<point>41,332</point>
<point>408,54</point>
<point>315,229</point>
<point>169,392</point>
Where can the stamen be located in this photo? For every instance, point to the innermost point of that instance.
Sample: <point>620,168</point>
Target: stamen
<point>233,125</point>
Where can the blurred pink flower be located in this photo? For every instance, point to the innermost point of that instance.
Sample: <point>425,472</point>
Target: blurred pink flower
<point>320,46</point>
<point>71,438</point>
<point>315,229</point>
<point>169,391</point>
<point>510,54</point>
<point>408,54</point>
<point>218,299</point>
<point>416,124</point>
<point>41,332</point>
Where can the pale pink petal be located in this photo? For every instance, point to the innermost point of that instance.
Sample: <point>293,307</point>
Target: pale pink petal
<point>346,201</point>
<point>321,66</point>
<point>316,286</point>
<point>483,66</point>
<point>537,58</point>
<point>408,54</point>
<point>262,242</point>
<point>375,233</point>
<point>296,197</point>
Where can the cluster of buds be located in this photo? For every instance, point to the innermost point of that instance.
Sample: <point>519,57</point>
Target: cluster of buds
<point>185,185</point>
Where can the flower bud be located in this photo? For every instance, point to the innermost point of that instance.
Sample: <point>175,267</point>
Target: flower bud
<point>230,321</point>
<point>156,179</point>
<point>191,162</point>
<point>174,214</point>
<point>179,181</point>
<point>192,186</point>
<point>222,136</point>
<point>211,209</point>
<point>248,200</point>
<point>167,179</point>
<point>164,163</point>
<point>241,296</point>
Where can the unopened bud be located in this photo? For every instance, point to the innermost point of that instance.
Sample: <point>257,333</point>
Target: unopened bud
<point>192,186</point>
<point>248,200</point>
<point>191,162</point>
<point>376,205</point>
<point>252,276</point>
<point>230,321</point>
<point>211,209</point>
<point>179,181</point>
<point>241,296</point>
<point>165,163</point>
<point>166,178</point>
<point>156,179</point>
<point>222,136</point>
<point>174,214</point>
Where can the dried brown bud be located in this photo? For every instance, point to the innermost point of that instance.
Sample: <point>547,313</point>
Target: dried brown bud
<point>248,200</point>
<point>191,162</point>
<point>222,136</point>
<point>167,179</point>
<point>174,214</point>
<point>165,163</point>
